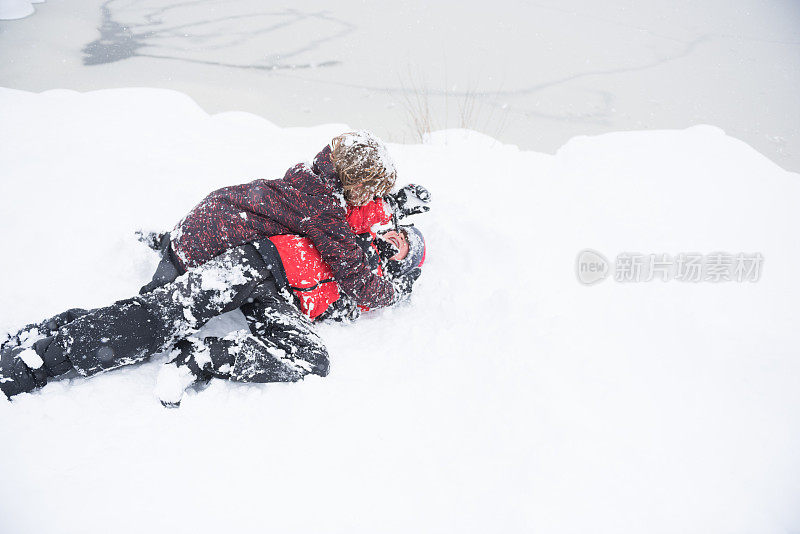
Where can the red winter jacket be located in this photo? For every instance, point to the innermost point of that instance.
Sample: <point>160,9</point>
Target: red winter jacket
<point>308,202</point>
<point>309,276</point>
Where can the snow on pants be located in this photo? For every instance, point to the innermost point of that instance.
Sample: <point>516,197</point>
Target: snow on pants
<point>131,330</point>
<point>281,345</point>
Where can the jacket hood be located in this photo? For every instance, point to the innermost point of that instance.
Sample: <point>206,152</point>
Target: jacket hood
<point>324,168</point>
<point>416,252</point>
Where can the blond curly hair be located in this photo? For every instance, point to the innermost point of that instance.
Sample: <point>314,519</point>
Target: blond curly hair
<point>363,165</point>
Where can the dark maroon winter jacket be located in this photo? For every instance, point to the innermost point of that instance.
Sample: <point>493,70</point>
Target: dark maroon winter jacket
<point>307,201</point>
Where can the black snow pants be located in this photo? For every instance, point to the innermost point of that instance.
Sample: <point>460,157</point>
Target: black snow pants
<point>280,345</point>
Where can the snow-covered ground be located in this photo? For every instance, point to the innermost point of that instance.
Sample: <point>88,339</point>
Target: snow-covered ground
<point>533,74</point>
<point>504,397</point>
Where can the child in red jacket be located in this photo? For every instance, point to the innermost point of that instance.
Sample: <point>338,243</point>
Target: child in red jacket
<point>301,273</point>
<point>316,295</point>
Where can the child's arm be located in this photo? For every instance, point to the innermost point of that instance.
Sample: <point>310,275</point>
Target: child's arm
<point>336,242</point>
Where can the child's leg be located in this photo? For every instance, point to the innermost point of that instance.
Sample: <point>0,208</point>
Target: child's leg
<point>294,349</point>
<point>280,347</point>
<point>15,374</point>
<point>30,334</point>
<point>131,330</point>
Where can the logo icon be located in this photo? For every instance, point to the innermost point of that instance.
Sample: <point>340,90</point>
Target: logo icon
<point>591,267</point>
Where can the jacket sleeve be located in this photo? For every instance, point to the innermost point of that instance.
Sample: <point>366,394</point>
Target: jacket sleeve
<point>336,242</point>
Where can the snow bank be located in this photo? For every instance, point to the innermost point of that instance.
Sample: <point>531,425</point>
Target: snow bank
<point>17,9</point>
<point>504,397</point>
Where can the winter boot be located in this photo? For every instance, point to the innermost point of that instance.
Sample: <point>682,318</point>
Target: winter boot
<point>193,362</point>
<point>25,368</point>
<point>173,379</point>
<point>20,371</point>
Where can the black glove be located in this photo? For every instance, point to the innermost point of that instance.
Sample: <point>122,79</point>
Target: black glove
<point>397,201</point>
<point>403,284</point>
<point>154,240</point>
<point>386,250</point>
<point>343,309</point>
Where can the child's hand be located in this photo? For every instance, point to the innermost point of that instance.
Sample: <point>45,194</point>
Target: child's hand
<point>398,201</point>
<point>404,284</point>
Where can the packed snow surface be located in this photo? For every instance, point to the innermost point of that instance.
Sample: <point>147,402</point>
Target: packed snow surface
<point>505,396</point>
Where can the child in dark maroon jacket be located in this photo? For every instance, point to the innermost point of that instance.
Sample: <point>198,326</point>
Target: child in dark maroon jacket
<point>221,258</point>
<point>310,201</point>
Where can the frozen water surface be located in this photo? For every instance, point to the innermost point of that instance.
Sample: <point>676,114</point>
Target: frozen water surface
<point>529,73</point>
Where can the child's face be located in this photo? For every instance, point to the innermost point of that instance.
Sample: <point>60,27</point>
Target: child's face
<point>398,239</point>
